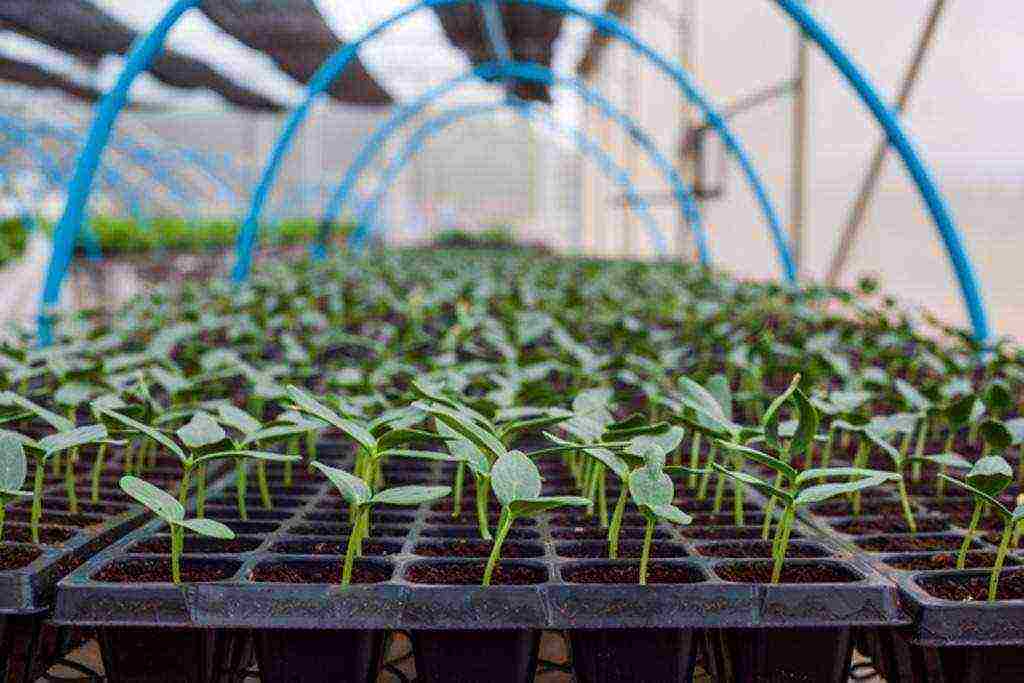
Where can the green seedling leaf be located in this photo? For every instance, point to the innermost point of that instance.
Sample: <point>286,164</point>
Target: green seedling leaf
<point>978,493</point>
<point>996,435</point>
<point>807,424</point>
<point>752,481</point>
<point>515,477</point>
<point>617,465</point>
<point>650,488</point>
<point>960,411</point>
<point>830,472</point>
<point>159,501</point>
<point>353,489</point>
<point>822,492</point>
<point>419,455</point>
<point>73,394</point>
<point>201,432</point>
<point>13,465</point>
<point>238,419</point>
<point>462,449</point>
<point>208,527</point>
<point>74,438</point>
<point>670,513</point>
<point>773,415</point>
<point>58,422</point>
<point>154,434</point>
<point>310,405</point>
<point>953,460</point>
<point>718,386</point>
<point>912,397</point>
<point>464,425</point>
<point>991,474</point>
<point>411,495</point>
<point>780,466</point>
<point>535,506</point>
<point>998,397</point>
<point>1016,428</point>
<point>248,455</point>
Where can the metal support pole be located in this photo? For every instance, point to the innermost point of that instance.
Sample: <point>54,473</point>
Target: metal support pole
<point>801,129</point>
<point>867,188</point>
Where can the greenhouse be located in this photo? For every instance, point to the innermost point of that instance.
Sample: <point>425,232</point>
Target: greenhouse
<point>510,341</point>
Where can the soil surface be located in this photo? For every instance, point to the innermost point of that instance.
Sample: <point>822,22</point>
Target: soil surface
<point>660,573</point>
<point>467,547</point>
<point>888,525</point>
<point>761,572</point>
<point>370,547</point>
<point>628,549</point>
<point>845,508</point>
<point>974,588</point>
<point>910,543</point>
<point>48,535</point>
<point>16,557</point>
<point>319,572</point>
<point>582,533</point>
<point>195,544</point>
<point>758,549</point>
<point>159,571</point>
<point>470,532</point>
<point>472,573</point>
<point>725,532</point>
<point>936,561</point>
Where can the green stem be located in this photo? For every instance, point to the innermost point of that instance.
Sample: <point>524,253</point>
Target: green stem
<point>3,516</point>
<point>460,473</point>
<point>908,514</point>
<point>183,487</point>
<point>769,510</point>
<point>826,452</point>
<point>483,490</point>
<point>37,497</point>
<point>201,491</point>
<point>55,465</point>
<point>694,460</point>
<point>261,478</point>
<point>70,482</point>
<point>293,449</point>
<point>504,524</point>
<point>97,471</point>
<point>350,551</point>
<point>961,558</point>
<point>616,525</point>
<point>1004,546</point>
<point>922,438</point>
<point>241,484</point>
<point>311,447</point>
<point>129,453</point>
<point>739,491</point>
<point>177,547</point>
<point>858,461</point>
<point>602,496</point>
<point>719,494</point>
<point>783,542</point>
<point>702,491</point>
<point>592,486</point>
<point>645,554</point>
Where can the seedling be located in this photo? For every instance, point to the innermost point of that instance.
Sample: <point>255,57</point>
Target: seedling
<point>992,476</point>
<point>13,472</point>
<point>653,492</point>
<point>797,489</point>
<point>164,506</point>
<point>357,493</point>
<point>517,486</point>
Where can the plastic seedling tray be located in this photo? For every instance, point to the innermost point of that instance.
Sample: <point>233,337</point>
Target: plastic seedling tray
<point>421,573</point>
<point>952,637</point>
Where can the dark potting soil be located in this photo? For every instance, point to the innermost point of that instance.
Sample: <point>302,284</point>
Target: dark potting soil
<point>159,571</point>
<point>48,535</point>
<point>472,573</point>
<point>692,505</point>
<point>758,549</point>
<point>937,561</point>
<point>724,532</point>
<point>63,519</point>
<point>891,524</point>
<point>628,549</point>
<point>844,508</point>
<point>195,544</point>
<point>727,518</point>
<point>563,519</point>
<point>910,543</point>
<point>319,572</point>
<point>474,532</point>
<point>974,588</point>
<point>468,503</point>
<point>468,518</point>
<point>16,557</point>
<point>468,547</point>
<point>761,572</point>
<point>661,573</point>
<point>580,533</point>
<point>370,547</point>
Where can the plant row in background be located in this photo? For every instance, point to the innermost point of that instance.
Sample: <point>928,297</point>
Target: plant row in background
<point>602,407</point>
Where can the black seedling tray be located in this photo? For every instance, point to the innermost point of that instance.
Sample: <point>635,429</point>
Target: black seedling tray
<point>551,557</point>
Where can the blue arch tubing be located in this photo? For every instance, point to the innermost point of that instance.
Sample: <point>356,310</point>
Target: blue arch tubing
<point>419,139</point>
<point>527,72</point>
<point>147,48</point>
<point>57,177</point>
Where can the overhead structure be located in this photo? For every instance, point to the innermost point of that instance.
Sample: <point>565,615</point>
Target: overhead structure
<point>621,10</point>
<point>79,28</point>
<point>295,35</point>
<point>23,73</point>
<point>531,33</point>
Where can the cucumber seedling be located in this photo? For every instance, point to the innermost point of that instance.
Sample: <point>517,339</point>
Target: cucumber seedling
<point>13,473</point>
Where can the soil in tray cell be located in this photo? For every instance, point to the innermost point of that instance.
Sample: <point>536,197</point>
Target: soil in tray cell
<point>59,518</point>
<point>909,543</point>
<point>759,549</point>
<point>468,547</point>
<point>161,545</point>
<point>727,518</point>
<point>16,557</point>
<point>888,525</point>
<point>474,532</point>
<point>726,533</point>
<point>48,535</point>
<point>974,587</point>
<point>627,549</point>
<point>371,547</point>
<point>792,572</point>
<point>158,570</point>
<point>468,518</point>
<point>868,507</point>
<point>581,533</point>
<point>692,505</point>
<point>468,503</point>
<point>472,574</point>
<point>937,561</point>
<point>622,573</point>
<point>320,572</point>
